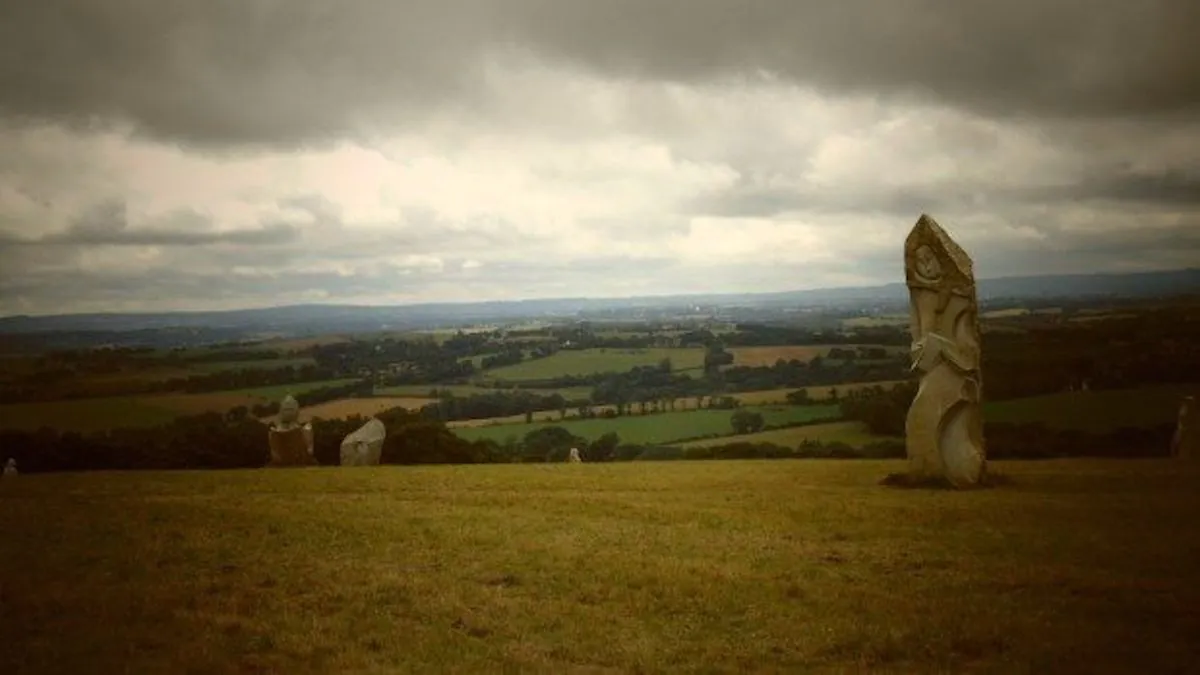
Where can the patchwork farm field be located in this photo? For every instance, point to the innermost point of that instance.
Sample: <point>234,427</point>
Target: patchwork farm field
<point>648,567</point>
<point>591,361</point>
<point>657,428</point>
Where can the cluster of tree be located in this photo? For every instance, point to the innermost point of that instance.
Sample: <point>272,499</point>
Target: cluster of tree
<point>507,357</point>
<point>883,410</point>
<point>1037,441</point>
<point>244,378</point>
<point>449,407</point>
<point>815,373</point>
<point>1155,347</point>
<point>715,357</point>
<point>396,361</point>
<point>224,353</point>
<point>207,441</point>
<point>230,441</point>
<point>763,335</point>
<point>746,422</point>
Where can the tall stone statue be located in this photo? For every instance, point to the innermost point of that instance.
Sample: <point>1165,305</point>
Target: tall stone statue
<point>944,428</point>
<point>291,442</point>
<point>1185,444</point>
<point>364,446</point>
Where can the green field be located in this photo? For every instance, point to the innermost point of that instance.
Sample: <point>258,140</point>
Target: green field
<point>854,434</point>
<point>1095,411</point>
<point>677,567</point>
<point>591,361</point>
<point>656,428</point>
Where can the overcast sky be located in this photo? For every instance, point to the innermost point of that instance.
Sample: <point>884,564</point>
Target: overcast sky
<point>184,154</point>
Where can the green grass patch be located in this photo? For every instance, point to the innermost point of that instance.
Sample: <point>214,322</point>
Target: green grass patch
<point>1098,411</point>
<point>592,361</point>
<point>654,428</point>
<point>676,567</point>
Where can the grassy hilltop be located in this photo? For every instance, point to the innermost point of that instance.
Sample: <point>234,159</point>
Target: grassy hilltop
<point>801,566</point>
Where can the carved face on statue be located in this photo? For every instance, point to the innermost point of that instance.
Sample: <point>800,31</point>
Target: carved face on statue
<point>926,264</point>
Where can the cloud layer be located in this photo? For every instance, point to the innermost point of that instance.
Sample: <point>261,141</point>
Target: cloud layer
<point>200,155</point>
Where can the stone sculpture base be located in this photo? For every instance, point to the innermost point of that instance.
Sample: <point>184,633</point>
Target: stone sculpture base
<point>292,447</point>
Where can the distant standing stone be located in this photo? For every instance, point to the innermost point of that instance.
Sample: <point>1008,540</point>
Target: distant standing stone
<point>944,428</point>
<point>291,443</point>
<point>10,467</point>
<point>574,457</point>
<point>1185,444</point>
<point>364,446</point>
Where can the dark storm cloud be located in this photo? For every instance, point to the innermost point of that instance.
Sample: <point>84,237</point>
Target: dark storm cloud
<point>751,201</point>
<point>228,72</point>
<point>106,225</point>
<point>1174,187</point>
<point>1169,188</point>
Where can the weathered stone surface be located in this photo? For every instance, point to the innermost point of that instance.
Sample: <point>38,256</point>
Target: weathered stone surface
<point>364,446</point>
<point>10,467</point>
<point>292,447</point>
<point>289,413</point>
<point>291,443</point>
<point>1185,444</point>
<point>574,456</point>
<point>944,428</point>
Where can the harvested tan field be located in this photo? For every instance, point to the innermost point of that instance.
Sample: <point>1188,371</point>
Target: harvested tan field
<point>767,356</point>
<point>349,407</point>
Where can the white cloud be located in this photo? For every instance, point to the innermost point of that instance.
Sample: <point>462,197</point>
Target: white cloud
<point>565,184</point>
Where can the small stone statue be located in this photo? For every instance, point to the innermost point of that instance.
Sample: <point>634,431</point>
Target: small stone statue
<point>574,456</point>
<point>10,467</point>
<point>291,443</point>
<point>1185,444</point>
<point>364,446</point>
<point>944,428</point>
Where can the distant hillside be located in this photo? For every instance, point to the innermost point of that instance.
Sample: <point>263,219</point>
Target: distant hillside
<point>347,318</point>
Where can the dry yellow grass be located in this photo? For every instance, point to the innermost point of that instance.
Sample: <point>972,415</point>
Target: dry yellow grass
<point>672,567</point>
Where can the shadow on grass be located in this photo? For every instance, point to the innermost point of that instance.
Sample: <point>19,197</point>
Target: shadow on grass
<point>991,479</point>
